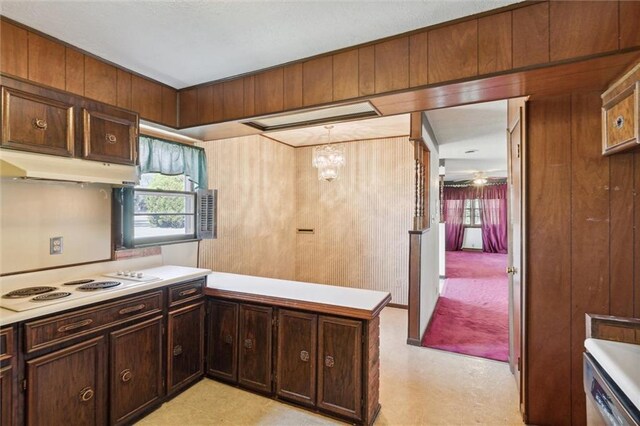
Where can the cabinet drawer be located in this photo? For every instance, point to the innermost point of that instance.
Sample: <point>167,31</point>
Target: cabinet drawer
<point>183,293</point>
<point>6,344</point>
<point>51,331</point>
<point>620,121</point>
<point>37,124</point>
<point>109,138</point>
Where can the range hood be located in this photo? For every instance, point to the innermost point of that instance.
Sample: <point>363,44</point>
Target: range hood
<point>14,164</point>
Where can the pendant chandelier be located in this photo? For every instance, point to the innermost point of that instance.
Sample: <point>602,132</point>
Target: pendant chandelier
<point>328,159</point>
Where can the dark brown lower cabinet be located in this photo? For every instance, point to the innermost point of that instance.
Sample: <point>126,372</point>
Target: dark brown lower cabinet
<point>6,396</point>
<point>68,387</point>
<point>222,327</point>
<point>296,356</point>
<point>136,369</point>
<point>340,366</point>
<point>185,346</point>
<point>255,358</point>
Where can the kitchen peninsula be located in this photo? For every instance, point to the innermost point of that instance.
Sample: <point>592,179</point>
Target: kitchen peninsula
<point>314,345</point>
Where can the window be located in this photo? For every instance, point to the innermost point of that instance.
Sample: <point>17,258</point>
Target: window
<point>472,212</point>
<point>164,209</point>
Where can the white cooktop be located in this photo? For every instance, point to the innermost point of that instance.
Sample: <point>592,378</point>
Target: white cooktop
<point>65,291</point>
<point>621,361</point>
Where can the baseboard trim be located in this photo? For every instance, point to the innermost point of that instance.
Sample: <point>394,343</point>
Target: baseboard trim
<point>414,342</point>
<point>397,305</point>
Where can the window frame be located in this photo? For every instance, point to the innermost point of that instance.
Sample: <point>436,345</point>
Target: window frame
<point>474,213</point>
<point>128,215</point>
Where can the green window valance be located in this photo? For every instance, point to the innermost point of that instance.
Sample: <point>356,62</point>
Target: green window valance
<point>171,158</point>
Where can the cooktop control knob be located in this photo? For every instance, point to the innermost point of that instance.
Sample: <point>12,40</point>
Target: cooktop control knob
<point>139,275</point>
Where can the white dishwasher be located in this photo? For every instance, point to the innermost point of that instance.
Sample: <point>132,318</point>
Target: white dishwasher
<point>612,383</point>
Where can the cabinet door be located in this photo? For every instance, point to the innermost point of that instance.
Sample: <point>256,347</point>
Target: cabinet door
<point>222,327</point>
<point>136,369</point>
<point>340,366</point>
<point>68,387</point>
<point>254,361</point>
<point>185,346</point>
<point>6,396</point>
<point>36,123</point>
<point>109,138</point>
<point>296,361</point>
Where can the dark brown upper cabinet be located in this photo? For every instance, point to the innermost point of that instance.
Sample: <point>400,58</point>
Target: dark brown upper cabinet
<point>296,356</point>
<point>109,137</point>
<point>254,358</point>
<point>392,65</point>
<point>36,123</point>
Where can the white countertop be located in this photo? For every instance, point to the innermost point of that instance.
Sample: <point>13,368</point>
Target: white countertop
<point>621,361</point>
<point>320,294</point>
<point>168,275</point>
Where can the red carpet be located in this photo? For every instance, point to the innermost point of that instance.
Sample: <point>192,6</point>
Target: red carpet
<point>471,315</point>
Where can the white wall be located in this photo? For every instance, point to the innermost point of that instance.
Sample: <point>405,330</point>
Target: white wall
<point>430,270</point>
<point>472,238</point>
<point>34,211</point>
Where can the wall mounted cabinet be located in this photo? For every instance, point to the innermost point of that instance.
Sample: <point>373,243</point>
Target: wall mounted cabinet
<point>47,121</point>
<point>621,113</point>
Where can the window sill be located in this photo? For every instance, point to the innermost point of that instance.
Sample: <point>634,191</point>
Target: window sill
<point>165,243</point>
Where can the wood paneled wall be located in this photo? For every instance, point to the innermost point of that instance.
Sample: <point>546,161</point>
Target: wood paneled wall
<point>360,221</point>
<point>584,227</point>
<point>255,178</point>
<point>266,190</point>
<point>33,56</point>
<point>522,36</point>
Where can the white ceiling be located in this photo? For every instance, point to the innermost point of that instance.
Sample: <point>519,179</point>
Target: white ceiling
<point>183,43</point>
<point>479,127</point>
<point>380,127</point>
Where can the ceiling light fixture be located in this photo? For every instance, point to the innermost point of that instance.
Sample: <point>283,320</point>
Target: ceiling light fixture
<point>479,179</point>
<point>328,159</point>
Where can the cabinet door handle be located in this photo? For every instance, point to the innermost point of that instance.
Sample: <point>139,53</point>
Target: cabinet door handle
<point>111,138</point>
<point>86,394</point>
<point>177,350</point>
<point>248,343</point>
<point>329,361</point>
<point>187,292</point>
<point>132,309</point>
<point>304,356</point>
<point>75,325</point>
<point>40,124</point>
<point>125,375</point>
<point>228,339</point>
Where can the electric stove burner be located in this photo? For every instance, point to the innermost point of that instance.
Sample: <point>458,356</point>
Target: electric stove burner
<point>98,285</point>
<point>28,291</point>
<point>76,282</point>
<point>51,296</point>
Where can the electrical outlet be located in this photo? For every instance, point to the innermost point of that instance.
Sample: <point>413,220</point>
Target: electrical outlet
<point>55,245</point>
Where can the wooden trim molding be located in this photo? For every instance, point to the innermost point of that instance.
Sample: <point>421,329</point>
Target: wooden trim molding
<point>299,304</point>
<point>415,254</point>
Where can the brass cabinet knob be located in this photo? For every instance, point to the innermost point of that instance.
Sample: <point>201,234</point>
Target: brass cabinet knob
<point>86,394</point>
<point>304,356</point>
<point>177,350</point>
<point>125,375</point>
<point>248,343</point>
<point>228,339</point>
<point>329,361</point>
<point>39,123</point>
<point>111,138</point>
